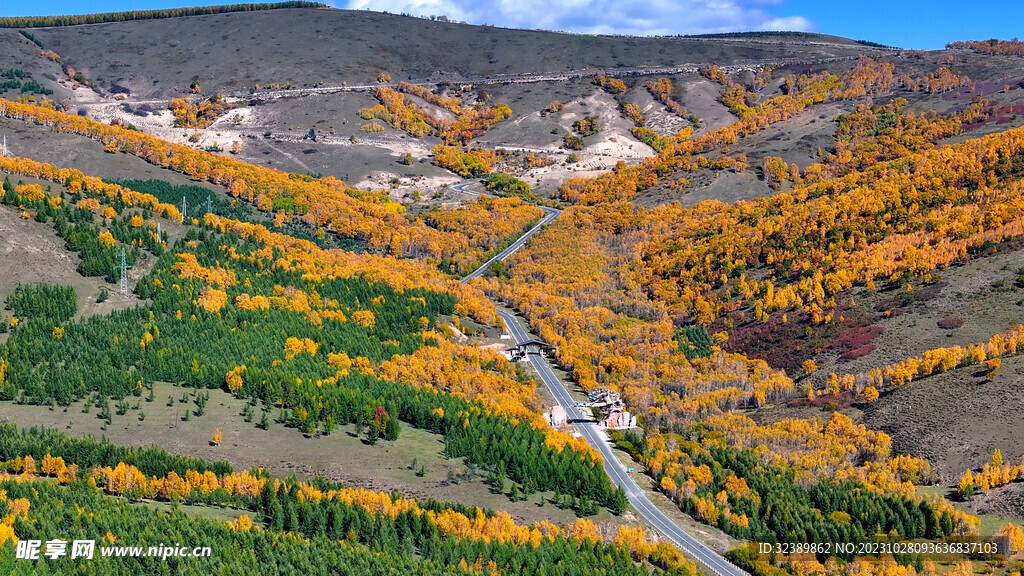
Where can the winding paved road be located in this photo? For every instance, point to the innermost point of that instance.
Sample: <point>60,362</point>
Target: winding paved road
<point>549,215</point>
<point>594,435</point>
<point>615,469</point>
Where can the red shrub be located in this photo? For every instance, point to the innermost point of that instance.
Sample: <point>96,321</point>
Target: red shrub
<point>950,323</point>
<point>842,400</point>
<point>857,337</point>
<point>857,352</point>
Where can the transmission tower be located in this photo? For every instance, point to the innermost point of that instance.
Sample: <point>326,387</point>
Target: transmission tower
<point>124,273</point>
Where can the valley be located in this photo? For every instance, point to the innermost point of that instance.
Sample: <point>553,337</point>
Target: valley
<point>795,257</point>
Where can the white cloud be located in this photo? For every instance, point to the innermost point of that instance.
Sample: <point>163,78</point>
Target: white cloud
<point>635,17</point>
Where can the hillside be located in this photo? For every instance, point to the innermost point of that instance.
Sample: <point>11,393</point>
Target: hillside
<point>236,52</point>
<point>798,259</point>
<point>224,52</point>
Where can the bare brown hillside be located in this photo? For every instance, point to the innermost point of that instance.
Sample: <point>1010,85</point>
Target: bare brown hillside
<point>307,45</point>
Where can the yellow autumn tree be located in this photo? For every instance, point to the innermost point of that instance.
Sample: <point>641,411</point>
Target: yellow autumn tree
<point>52,466</point>
<point>364,318</point>
<point>809,366</point>
<point>668,485</point>
<point>1013,537</point>
<point>241,524</point>
<point>67,474</point>
<point>234,378</point>
<point>212,300</point>
<point>107,239</point>
<point>7,533</point>
<point>966,485</point>
<point>870,394</point>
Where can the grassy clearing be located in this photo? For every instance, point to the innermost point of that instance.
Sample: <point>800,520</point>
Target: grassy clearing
<point>991,523</point>
<point>223,514</point>
<point>341,456</point>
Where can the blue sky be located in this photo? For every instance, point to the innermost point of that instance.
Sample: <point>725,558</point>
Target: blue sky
<point>906,23</point>
<point>911,23</point>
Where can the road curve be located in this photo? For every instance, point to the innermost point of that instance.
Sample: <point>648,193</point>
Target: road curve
<point>591,433</point>
<point>549,215</point>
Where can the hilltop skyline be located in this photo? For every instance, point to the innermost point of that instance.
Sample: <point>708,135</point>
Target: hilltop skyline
<point>907,25</point>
